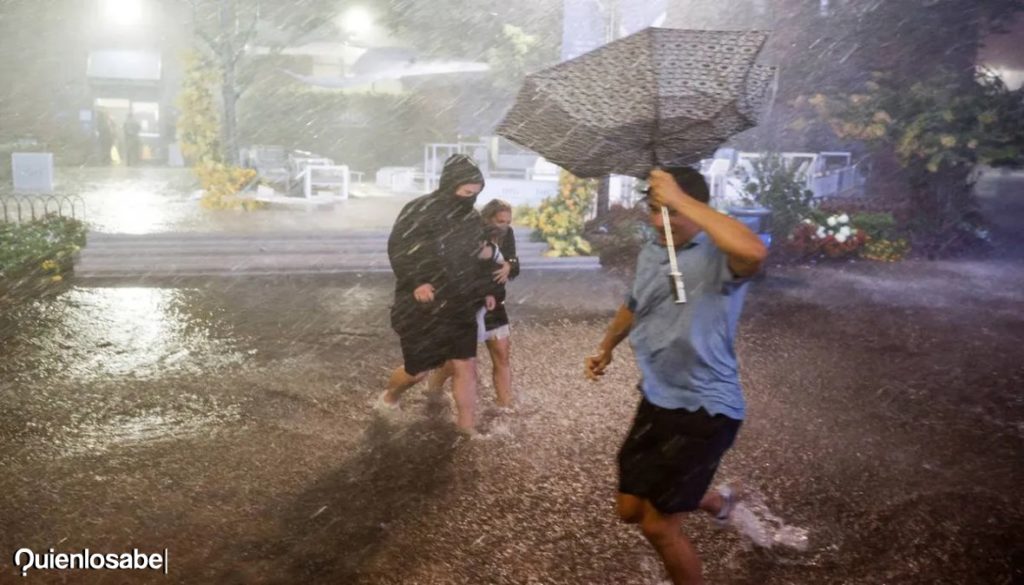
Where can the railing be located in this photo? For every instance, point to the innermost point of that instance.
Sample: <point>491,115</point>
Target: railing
<point>22,208</point>
<point>333,176</point>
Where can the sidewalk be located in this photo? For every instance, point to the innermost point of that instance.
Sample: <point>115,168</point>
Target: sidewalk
<point>194,254</point>
<point>158,200</point>
<point>147,224</point>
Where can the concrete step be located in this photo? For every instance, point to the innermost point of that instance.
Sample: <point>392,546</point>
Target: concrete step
<point>203,254</point>
<point>321,266</point>
<point>285,261</point>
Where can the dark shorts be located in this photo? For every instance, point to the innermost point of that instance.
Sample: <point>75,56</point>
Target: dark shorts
<point>670,455</point>
<point>425,350</point>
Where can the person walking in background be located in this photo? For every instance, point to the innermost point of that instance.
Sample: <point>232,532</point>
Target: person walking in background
<point>104,137</point>
<point>132,145</point>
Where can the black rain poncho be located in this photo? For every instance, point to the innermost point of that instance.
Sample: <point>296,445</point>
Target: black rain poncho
<point>435,240</point>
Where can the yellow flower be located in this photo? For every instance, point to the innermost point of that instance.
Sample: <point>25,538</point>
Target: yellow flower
<point>947,140</point>
<point>56,278</point>
<point>882,117</point>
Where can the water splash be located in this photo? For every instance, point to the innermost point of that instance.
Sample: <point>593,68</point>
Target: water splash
<point>755,521</point>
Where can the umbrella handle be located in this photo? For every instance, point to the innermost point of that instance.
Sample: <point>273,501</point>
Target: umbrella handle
<point>674,275</point>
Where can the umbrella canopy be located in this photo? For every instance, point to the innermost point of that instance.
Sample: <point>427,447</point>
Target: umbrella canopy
<point>660,97</point>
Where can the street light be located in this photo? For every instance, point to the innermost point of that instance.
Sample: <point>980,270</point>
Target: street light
<point>123,13</point>
<point>357,20</point>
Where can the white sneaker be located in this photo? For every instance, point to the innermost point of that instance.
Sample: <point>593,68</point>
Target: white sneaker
<point>744,521</point>
<point>741,518</point>
<point>747,514</point>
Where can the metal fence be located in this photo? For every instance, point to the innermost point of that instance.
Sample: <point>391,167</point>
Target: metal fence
<point>23,208</point>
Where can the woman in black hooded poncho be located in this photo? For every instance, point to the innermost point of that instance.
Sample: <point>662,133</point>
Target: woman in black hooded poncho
<point>440,282</point>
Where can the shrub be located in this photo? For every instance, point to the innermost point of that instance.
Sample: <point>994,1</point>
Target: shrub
<point>40,248</point>
<point>877,226</point>
<point>559,220</point>
<point>833,237</point>
<point>617,236</point>
<point>221,185</point>
<point>777,188</point>
<point>884,250</point>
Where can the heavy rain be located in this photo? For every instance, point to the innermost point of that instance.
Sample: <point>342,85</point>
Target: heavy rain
<point>396,292</point>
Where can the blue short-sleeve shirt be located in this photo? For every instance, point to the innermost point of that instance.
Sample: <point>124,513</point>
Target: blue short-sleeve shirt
<point>685,351</point>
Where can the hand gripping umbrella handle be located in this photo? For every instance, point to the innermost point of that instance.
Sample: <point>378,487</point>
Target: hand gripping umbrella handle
<point>674,275</point>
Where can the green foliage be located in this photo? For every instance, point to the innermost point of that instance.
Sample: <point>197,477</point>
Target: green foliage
<point>941,122</point>
<point>559,220</point>
<point>779,189</point>
<point>516,54</point>
<point>514,37</point>
<point>41,248</point>
<point>937,130</point>
<point>877,226</point>
<point>447,29</point>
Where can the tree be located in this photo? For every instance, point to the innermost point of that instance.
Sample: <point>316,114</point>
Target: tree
<point>227,30</point>
<point>835,51</point>
<point>938,129</point>
<point>514,37</point>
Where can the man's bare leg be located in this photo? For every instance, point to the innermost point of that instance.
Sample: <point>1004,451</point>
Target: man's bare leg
<point>664,532</point>
<point>399,382</point>
<point>464,391</point>
<point>439,376</point>
<point>502,369</point>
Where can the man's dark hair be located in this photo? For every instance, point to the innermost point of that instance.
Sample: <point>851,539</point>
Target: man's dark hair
<point>692,182</point>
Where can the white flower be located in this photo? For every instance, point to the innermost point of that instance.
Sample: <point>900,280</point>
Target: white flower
<point>844,218</point>
<point>845,231</point>
<point>821,233</point>
<point>840,238</point>
<point>831,232</point>
<point>832,220</point>
<point>808,222</point>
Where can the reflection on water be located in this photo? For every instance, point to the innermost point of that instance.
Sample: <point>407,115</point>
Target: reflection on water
<point>80,371</point>
<point>107,333</point>
<point>154,200</point>
<point>138,331</point>
<point>136,200</point>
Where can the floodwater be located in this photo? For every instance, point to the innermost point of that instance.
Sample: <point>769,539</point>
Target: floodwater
<point>230,423</point>
<point>143,200</point>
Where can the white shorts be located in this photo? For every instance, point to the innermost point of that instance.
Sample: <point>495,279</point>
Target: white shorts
<point>482,334</point>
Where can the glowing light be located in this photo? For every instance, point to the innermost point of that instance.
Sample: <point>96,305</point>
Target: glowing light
<point>357,20</point>
<point>123,13</point>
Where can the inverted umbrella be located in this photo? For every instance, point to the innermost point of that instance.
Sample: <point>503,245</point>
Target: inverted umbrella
<point>660,97</point>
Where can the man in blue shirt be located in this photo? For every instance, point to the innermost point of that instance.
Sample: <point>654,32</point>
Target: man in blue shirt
<point>692,405</point>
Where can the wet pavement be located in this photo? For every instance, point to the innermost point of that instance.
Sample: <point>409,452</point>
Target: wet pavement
<point>229,421</point>
<point>147,200</point>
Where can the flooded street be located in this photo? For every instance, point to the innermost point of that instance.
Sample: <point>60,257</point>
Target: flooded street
<point>159,200</point>
<point>206,208</point>
<point>230,423</point>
